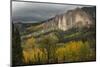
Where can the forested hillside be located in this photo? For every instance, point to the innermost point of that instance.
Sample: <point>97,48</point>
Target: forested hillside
<point>68,37</point>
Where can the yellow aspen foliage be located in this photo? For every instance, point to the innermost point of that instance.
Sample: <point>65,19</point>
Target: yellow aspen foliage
<point>34,55</point>
<point>75,51</point>
<point>68,52</point>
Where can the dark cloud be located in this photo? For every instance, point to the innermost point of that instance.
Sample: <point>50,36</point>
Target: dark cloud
<point>29,11</point>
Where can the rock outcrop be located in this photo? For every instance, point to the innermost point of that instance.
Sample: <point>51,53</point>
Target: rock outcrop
<point>73,18</point>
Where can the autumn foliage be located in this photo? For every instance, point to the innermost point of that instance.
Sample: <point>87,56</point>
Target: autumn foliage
<point>75,51</point>
<point>68,52</point>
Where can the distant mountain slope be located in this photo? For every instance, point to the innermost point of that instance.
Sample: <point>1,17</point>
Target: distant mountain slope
<point>72,18</point>
<point>90,10</point>
<point>76,18</point>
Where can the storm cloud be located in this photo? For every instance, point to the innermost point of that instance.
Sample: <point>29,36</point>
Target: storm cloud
<point>35,12</point>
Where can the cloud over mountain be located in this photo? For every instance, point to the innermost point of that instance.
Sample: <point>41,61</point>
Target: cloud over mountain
<point>32,11</point>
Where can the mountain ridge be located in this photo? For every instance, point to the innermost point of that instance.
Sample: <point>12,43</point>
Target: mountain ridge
<point>75,18</point>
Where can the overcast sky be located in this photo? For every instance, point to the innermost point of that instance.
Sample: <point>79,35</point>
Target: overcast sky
<point>34,12</point>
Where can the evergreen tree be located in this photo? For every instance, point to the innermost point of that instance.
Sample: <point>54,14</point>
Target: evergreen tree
<point>16,47</point>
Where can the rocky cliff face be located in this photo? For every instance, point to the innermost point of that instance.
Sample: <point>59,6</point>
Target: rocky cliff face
<point>77,18</point>
<point>73,18</point>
